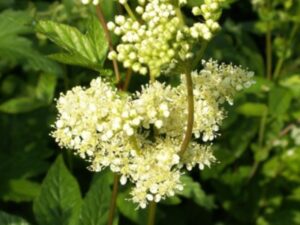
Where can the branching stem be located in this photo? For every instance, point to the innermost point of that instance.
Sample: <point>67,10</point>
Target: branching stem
<point>107,35</point>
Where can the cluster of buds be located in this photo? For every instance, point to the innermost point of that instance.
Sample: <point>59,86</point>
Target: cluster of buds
<point>210,10</point>
<point>147,46</point>
<point>139,135</point>
<point>159,36</point>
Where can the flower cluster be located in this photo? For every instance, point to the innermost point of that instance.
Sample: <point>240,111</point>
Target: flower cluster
<point>160,35</point>
<point>139,135</point>
<point>210,10</point>
<point>150,44</point>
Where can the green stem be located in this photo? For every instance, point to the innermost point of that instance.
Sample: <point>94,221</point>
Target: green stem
<point>281,60</point>
<point>262,129</point>
<point>269,52</point>
<point>179,15</point>
<point>152,77</point>
<point>268,46</point>
<point>151,214</point>
<point>112,208</point>
<point>127,80</point>
<point>129,11</point>
<point>261,135</point>
<point>278,68</point>
<point>190,119</point>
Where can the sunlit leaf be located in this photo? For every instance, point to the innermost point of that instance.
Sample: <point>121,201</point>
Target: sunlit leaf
<point>84,50</point>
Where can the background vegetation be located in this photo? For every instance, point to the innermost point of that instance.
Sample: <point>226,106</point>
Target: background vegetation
<point>257,178</point>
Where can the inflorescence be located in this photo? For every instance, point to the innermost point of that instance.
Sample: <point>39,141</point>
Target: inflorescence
<point>138,136</point>
<point>159,34</point>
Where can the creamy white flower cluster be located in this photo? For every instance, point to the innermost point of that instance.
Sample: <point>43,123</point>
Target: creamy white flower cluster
<point>160,36</point>
<point>139,136</point>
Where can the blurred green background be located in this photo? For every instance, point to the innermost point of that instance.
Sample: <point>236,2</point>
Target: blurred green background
<point>256,180</point>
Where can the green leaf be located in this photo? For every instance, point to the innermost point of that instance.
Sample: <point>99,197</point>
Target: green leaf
<point>15,48</point>
<point>262,85</point>
<point>68,38</point>
<point>171,201</point>
<point>20,190</point>
<point>252,109</point>
<point>43,96</point>
<point>7,219</point>
<point>192,190</point>
<point>14,22</point>
<point>71,59</point>
<point>292,83</point>
<point>59,200</point>
<point>20,105</point>
<point>95,207</point>
<point>46,88</point>
<point>84,50</point>
<point>260,153</point>
<point>279,101</point>
<point>96,35</point>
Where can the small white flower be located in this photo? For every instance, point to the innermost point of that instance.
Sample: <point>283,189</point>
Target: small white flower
<point>85,2</point>
<point>123,180</point>
<point>122,2</point>
<point>111,25</point>
<point>158,124</point>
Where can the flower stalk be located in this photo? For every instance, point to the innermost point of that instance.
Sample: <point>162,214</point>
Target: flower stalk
<point>190,119</point>
<point>108,38</point>
<point>113,202</point>
<point>151,213</point>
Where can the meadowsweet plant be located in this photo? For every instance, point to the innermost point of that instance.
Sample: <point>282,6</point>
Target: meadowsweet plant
<point>153,136</point>
<point>116,111</point>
